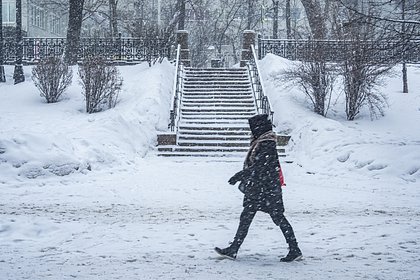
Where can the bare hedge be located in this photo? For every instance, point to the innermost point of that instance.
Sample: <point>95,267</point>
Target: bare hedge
<point>52,76</point>
<point>101,84</point>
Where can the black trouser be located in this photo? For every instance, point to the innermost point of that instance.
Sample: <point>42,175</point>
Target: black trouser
<point>278,218</point>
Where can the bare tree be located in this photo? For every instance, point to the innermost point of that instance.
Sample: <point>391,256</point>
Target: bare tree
<point>400,20</point>
<point>314,76</point>
<point>361,70</point>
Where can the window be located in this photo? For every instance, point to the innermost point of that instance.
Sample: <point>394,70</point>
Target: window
<point>38,17</point>
<point>9,11</point>
<point>55,24</point>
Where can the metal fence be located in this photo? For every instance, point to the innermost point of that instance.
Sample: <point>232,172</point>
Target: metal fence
<point>382,52</point>
<point>115,50</point>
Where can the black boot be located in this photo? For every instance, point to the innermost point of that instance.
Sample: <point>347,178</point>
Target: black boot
<point>294,255</point>
<point>227,253</point>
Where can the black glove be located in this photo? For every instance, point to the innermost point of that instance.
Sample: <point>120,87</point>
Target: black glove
<point>235,178</point>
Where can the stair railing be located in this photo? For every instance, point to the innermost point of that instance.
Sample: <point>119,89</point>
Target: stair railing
<point>177,91</point>
<point>258,89</point>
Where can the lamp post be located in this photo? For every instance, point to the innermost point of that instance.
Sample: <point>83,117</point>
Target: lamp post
<point>18,75</point>
<point>2,74</point>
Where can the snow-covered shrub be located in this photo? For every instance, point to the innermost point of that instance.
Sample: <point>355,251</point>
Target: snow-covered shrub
<point>361,68</point>
<point>361,81</point>
<point>52,76</point>
<point>316,79</point>
<point>101,84</point>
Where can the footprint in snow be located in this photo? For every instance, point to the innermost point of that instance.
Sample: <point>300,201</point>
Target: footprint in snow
<point>378,166</point>
<point>344,157</point>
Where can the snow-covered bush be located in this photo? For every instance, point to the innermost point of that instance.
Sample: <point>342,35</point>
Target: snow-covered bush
<point>52,76</point>
<point>316,79</point>
<point>101,84</point>
<point>361,82</point>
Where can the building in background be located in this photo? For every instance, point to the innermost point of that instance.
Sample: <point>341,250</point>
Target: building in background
<point>40,18</point>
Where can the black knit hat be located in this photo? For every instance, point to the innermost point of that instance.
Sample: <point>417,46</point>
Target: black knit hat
<point>260,124</point>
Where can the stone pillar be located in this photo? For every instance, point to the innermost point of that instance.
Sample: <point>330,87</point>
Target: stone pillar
<point>248,40</point>
<point>182,39</point>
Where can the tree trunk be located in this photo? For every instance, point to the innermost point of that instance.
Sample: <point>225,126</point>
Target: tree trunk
<point>404,77</point>
<point>139,17</point>
<point>288,20</point>
<point>2,73</point>
<point>276,19</point>
<point>73,30</point>
<point>181,9</point>
<point>404,31</point>
<point>249,21</point>
<point>316,18</point>
<point>113,17</point>
<point>18,75</point>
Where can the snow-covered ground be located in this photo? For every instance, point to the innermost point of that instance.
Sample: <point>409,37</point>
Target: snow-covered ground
<point>352,191</point>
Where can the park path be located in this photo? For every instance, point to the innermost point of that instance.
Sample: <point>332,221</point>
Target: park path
<point>160,218</point>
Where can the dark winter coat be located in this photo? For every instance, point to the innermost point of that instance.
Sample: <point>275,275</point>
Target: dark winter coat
<point>260,180</point>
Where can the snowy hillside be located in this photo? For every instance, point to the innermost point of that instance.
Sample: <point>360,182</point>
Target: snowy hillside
<point>85,197</point>
<point>40,139</point>
<point>382,147</point>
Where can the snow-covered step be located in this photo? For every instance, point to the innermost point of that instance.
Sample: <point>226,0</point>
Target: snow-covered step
<point>224,105</point>
<point>214,137</point>
<point>208,144</point>
<point>223,86</point>
<point>194,113</point>
<point>216,82</point>
<point>202,149</point>
<point>237,155</point>
<point>216,95</point>
<point>217,110</point>
<point>227,78</point>
<point>227,103</point>
<point>199,78</point>
<point>241,127</point>
<point>186,131</point>
<point>218,89</point>
<point>217,99</point>
<point>172,150</point>
<point>213,122</point>
<point>217,117</point>
<point>206,98</point>
<point>215,70</point>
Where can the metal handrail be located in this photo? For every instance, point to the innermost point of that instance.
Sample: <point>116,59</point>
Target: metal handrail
<point>258,88</point>
<point>176,95</point>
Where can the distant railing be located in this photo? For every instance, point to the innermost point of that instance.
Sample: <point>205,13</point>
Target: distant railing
<point>381,52</point>
<point>115,50</point>
<point>258,89</point>
<point>177,90</point>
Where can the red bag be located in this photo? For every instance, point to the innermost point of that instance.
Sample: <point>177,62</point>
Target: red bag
<point>282,183</point>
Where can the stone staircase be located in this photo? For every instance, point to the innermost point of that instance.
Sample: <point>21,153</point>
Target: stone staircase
<point>215,106</point>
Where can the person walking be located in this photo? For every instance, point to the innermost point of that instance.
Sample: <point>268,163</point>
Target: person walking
<point>260,181</point>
